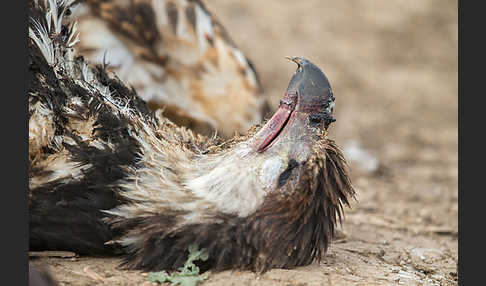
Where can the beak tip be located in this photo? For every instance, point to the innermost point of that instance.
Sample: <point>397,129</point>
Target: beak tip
<point>293,59</point>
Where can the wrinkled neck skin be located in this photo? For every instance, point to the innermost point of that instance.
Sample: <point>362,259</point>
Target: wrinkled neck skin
<point>238,179</point>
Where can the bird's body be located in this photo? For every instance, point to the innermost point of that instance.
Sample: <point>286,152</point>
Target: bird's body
<point>107,175</point>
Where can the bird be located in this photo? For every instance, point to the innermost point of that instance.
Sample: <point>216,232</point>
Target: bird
<point>109,176</point>
<point>179,57</point>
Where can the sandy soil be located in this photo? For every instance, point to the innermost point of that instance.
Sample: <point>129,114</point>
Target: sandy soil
<point>393,68</point>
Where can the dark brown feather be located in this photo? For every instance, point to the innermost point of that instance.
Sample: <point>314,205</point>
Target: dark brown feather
<point>293,227</point>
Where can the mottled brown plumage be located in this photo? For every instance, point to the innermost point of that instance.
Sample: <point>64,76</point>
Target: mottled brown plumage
<point>178,57</point>
<point>107,175</point>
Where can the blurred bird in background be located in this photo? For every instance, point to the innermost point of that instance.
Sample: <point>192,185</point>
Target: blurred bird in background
<point>178,57</point>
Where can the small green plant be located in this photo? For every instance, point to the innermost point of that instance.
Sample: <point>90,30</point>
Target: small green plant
<point>188,275</point>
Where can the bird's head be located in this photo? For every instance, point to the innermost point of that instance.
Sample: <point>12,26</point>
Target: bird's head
<point>290,151</point>
<point>305,110</point>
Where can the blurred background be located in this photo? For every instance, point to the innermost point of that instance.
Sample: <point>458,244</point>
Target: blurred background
<point>393,68</point>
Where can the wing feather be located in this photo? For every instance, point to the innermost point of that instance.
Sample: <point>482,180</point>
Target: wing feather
<point>177,56</point>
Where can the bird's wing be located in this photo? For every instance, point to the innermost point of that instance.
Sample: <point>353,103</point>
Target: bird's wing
<point>91,138</point>
<point>177,56</point>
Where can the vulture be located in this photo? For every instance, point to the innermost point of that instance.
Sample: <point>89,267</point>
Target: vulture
<point>178,57</point>
<point>109,176</point>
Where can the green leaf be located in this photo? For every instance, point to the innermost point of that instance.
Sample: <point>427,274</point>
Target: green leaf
<point>160,277</point>
<point>188,275</point>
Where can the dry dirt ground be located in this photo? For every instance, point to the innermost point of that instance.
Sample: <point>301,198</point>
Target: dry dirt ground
<point>393,68</point>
